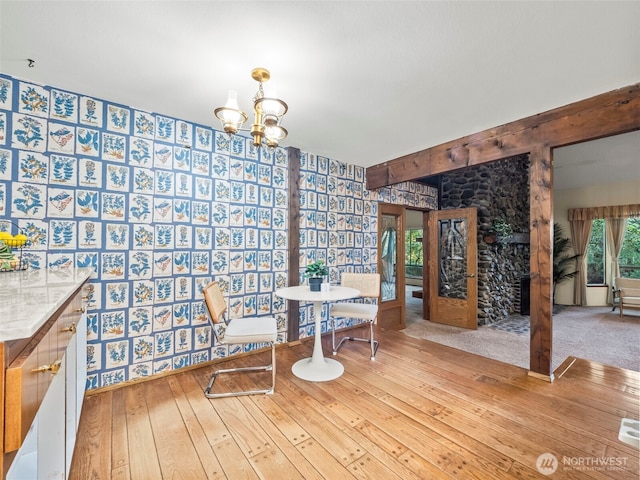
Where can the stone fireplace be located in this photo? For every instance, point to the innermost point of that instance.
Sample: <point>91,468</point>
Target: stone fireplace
<point>499,190</point>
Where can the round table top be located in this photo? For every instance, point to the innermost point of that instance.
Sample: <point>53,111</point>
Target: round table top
<point>302,293</point>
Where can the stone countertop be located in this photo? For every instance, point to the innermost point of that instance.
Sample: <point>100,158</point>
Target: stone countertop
<point>28,298</point>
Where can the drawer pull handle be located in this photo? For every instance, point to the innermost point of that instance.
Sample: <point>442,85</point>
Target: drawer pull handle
<point>53,368</point>
<point>80,310</point>
<point>71,328</point>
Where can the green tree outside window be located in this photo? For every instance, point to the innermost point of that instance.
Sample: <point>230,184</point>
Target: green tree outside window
<point>596,254</point>
<point>413,252</point>
<point>629,260</point>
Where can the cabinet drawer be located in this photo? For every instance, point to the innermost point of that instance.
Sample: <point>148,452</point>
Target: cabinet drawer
<point>26,385</point>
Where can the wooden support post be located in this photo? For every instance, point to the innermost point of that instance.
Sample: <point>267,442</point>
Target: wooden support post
<point>541,232</point>
<point>293,317</point>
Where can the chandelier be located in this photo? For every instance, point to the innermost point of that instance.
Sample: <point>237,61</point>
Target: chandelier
<point>267,110</point>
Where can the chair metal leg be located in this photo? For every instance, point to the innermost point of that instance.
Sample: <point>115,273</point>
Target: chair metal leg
<point>374,343</point>
<point>266,391</point>
<point>333,335</point>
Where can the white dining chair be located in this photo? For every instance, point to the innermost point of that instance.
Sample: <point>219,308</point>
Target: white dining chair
<point>369,286</point>
<point>239,331</point>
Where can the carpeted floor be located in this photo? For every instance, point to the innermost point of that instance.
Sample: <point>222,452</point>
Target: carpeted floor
<point>593,333</point>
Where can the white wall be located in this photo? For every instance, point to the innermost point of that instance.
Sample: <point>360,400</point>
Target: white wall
<point>413,219</point>
<point>595,196</point>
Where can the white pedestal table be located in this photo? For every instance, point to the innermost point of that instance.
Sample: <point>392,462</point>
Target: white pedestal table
<point>317,368</point>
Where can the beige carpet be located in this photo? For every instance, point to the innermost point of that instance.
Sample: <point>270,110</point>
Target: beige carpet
<point>593,333</point>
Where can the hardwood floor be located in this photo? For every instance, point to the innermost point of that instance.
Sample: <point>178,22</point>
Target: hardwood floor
<point>420,410</point>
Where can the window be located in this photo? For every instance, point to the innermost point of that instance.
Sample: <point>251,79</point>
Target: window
<point>413,252</point>
<point>596,254</point>
<point>629,259</point>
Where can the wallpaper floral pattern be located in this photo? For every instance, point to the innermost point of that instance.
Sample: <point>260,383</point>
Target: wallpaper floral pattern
<point>158,207</point>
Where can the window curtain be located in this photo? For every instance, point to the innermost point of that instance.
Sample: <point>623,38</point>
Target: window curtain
<point>612,211</point>
<point>578,219</point>
<point>581,232</point>
<point>615,228</point>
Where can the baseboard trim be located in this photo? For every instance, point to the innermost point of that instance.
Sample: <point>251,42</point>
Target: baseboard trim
<point>541,376</point>
<point>564,366</point>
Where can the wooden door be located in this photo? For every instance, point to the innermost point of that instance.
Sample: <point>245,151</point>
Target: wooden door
<point>425,265</point>
<point>453,259</point>
<point>392,305</point>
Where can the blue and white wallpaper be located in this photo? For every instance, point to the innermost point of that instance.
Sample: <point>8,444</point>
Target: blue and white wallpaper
<point>158,207</point>
<point>339,221</point>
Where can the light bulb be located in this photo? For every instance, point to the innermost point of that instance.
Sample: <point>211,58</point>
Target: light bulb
<point>232,100</point>
<point>271,107</point>
<point>275,132</point>
<point>230,115</point>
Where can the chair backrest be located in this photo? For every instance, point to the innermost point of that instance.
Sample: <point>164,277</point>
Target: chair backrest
<point>367,283</point>
<point>214,300</point>
<point>627,282</point>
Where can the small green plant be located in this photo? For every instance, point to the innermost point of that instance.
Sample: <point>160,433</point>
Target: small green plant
<point>502,228</point>
<point>316,269</point>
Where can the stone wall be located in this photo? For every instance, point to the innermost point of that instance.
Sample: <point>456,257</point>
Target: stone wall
<point>499,190</point>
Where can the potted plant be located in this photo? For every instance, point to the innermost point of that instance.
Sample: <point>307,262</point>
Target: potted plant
<point>500,232</point>
<point>315,272</point>
<point>564,263</point>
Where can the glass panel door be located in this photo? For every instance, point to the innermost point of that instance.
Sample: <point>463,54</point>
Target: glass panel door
<point>389,256</point>
<point>452,246</point>
<point>391,313</point>
<point>453,296</point>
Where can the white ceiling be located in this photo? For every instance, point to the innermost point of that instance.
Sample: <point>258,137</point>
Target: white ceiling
<point>608,160</point>
<point>366,81</point>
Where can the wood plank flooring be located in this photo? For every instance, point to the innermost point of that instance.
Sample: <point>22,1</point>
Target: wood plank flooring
<point>419,411</point>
